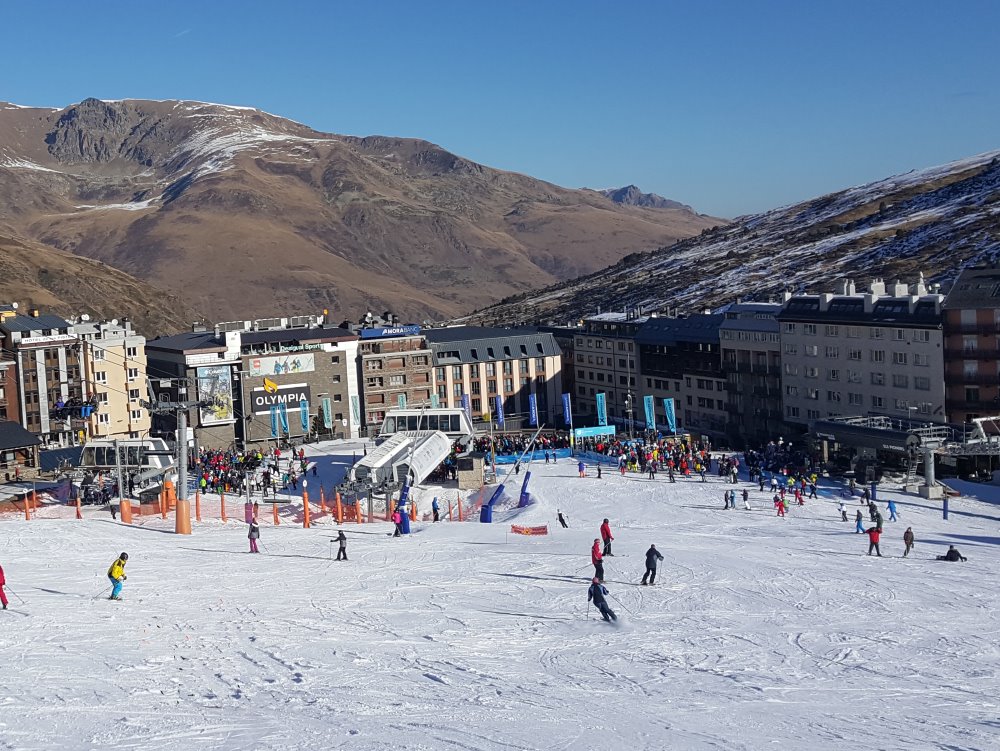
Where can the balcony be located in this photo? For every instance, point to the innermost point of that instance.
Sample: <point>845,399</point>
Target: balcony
<point>981,379</point>
<point>751,368</point>
<point>983,329</point>
<point>963,353</point>
<point>991,406</point>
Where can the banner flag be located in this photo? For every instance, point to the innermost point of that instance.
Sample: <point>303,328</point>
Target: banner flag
<point>435,402</point>
<point>532,410</point>
<point>519,530</point>
<point>304,415</point>
<point>647,402</point>
<point>499,404</point>
<point>401,401</point>
<point>602,409</point>
<point>567,410</point>
<point>283,418</point>
<point>467,405</point>
<point>668,407</point>
<point>327,414</point>
<point>274,421</point>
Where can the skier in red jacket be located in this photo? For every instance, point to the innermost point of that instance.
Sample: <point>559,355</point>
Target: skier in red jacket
<point>874,533</point>
<point>596,559</point>
<point>606,536</point>
<point>3,595</point>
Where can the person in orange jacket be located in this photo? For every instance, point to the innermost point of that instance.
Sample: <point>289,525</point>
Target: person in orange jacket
<point>597,559</point>
<point>874,533</point>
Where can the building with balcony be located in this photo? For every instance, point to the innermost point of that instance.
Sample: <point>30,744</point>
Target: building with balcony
<point>879,352</point>
<point>605,362</point>
<point>484,363</point>
<point>750,342</point>
<point>972,345</point>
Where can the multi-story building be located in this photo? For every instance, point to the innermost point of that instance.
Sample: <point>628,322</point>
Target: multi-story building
<point>8,390</point>
<point>483,363</point>
<point>113,359</point>
<point>395,368</point>
<point>680,359</point>
<point>46,373</point>
<point>751,359</point>
<point>267,380</point>
<point>972,345</point>
<point>605,362</point>
<point>863,353</point>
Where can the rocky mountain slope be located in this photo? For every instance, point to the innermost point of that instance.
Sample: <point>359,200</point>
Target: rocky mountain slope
<point>37,276</point>
<point>243,213</point>
<point>630,195</point>
<point>933,220</point>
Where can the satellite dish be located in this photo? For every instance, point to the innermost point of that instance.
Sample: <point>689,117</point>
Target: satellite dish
<point>114,321</point>
<point>85,317</point>
<point>344,423</point>
<point>14,305</point>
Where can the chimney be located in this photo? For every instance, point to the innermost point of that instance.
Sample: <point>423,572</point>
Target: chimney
<point>824,301</point>
<point>899,289</point>
<point>34,312</point>
<point>844,286</point>
<point>877,287</point>
<point>851,289</point>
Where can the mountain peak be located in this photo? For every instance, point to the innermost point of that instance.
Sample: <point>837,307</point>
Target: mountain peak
<point>631,195</point>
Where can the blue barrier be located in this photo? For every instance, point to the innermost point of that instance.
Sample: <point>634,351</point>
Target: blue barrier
<point>535,455</point>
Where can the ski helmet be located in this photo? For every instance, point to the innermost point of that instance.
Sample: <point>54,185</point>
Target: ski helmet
<point>124,556</point>
<point>596,580</point>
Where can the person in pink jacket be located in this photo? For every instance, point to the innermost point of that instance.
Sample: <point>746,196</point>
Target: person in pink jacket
<point>3,595</point>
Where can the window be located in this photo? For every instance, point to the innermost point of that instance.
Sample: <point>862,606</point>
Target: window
<point>922,383</point>
<point>136,414</point>
<point>809,329</point>
<point>621,362</point>
<point>901,405</point>
<point>970,343</point>
<point>477,387</point>
<point>878,355</point>
<point>456,389</point>
<point>899,335</point>
<point>853,332</point>
<point>491,387</point>
<point>970,368</point>
<point>133,373</point>
<point>792,411</point>
<point>878,402</point>
<point>442,392</point>
<point>336,378</point>
<point>789,328</point>
<point>791,349</point>
<point>101,376</point>
<point>833,396</point>
<point>855,400</point>
<point>539,365</point>
<point>600,377</point>
<point>832,352</point>
<point>623,380</point>
<point>812,414</point>
<point>853,354</point>
<point>132,352</point>
<point>508,367</point>
<point>456,372</point>
<point>98,354</point>
<point>972,393</point>
<point>377,365</point>
<point>580,374</point>
<point>900,380</point>
<point>899,358</point>
<point>338,397</point>
<point>792,370</point>
<point>103,418</point>
<point>833,375</point>
<point>102,397</point>
<point>582,390</point>
<point>811,372</point>
<point>397,380</point>
<point>921,336</point>
<point>791,390</point>
<point>335,359</point>
<point>876,333</point>
<point>832,330</point>
<point>508,385</point>
<point>812,350</point>
<point>812,394</point>
<point>491,368</point>
<point>878,379</point>
<point>133,395</point>
<point>921,361</point>
<point>476,405</point>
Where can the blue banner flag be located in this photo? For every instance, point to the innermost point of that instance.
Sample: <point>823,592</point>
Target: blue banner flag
<point>304,414</point>
<point>668,407</point>
<point>435,402</point>
<point>602,409</point>
<point>274,421</point>
<point>567,410</point>
<point>647,402</point>
<point>401,401</point>
<point>467,405</point>
<point>327,414</point>
<point>499,403</point>
<point>532,410</point>
<point>283,418</point>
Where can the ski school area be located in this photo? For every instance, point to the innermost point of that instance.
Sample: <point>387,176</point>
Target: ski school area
<point>761,631</point>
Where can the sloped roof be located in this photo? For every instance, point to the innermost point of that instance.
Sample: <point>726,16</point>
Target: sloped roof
<point>471,344</point>
<point>13,436</point>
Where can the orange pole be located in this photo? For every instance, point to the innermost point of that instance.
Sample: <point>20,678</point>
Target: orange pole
<point>222,505</point>
<point>27,509</point>
<point>126,511</point>
<point>413,511</point>
<point>79,514</point>
<point>322,500</point>
<point>163,502</point>
<point>460,507</point>
<point>197,505</point>
<point>274,508</point>
<point>357,511</point>
<point>305,508</point>
<point>449,510</point>
<point>340,509</point>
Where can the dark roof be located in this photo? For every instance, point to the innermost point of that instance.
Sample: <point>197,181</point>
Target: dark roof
<point>326,334</point>
<point>695,328</point>
<point>471,344</point>
<point>33,323</point>
<point>975,287</point>
<point>890,311</point>
<point>189,340</point>
<point>13,436</point>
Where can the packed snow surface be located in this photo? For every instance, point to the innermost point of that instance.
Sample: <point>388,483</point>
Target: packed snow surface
<point>761,632</point>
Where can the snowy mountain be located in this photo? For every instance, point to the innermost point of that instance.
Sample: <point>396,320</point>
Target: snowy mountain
<point>933,220</point>
<point>241,212</point>
<point>630,195</point>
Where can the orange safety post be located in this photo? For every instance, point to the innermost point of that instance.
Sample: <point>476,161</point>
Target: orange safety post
<point>182,518</point>
<point>171,495</point>
<point>413,511</point>
<point>340,509</point>
<point>27,509</point>
<point>126,511</point>
<point>460,507</point>
<point>222,506</point>
<point>163,501</point>
<point>274,508</point>
<point>197,505</point>
<point>449,510</point>
<point>357,511</point>
<point>79,514</point>
<point>322,500</point>
<point>305,508</point>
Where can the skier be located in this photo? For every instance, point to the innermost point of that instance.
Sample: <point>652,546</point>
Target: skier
<point>908,540</point>
<point>582,468</point>
<point>891,508</point>
<point>596,592</point>
<point>952,555</point>
<point>872,511</point>
<point>517,468</point>
<point>878,519</point>
<point>435,509</point>
<point>561,518</point>
<point>746,499</point>
<point>397,519</point>
<point>342,541</point>
<point>117,575</point>
<point>812,489</point>
<point>652,556</point>
<point>760,480</point>
<point>598,470</point>
<point>596,559</point>
<point>254,534</point>
<point>874,533</point>
<point>843,511</point>
<point>546,457</point>
<point>779,504</point>
<point>3,595</point>
<point>859,526</point>
<point>606,536</point>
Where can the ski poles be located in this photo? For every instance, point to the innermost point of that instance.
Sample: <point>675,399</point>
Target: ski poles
<point>103,590</point>
<point>620,603</point>
<point>16,595</point>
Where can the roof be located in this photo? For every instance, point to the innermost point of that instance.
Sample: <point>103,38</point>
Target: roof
<point>471,344</point>
<point>13,436</point>
<point>976,287</point>
<point>188,341</point>
<point>755,316</point>
<point>850,309</point>
<point>34,323</point>
<point>325,334</point>
<point>701,327</point>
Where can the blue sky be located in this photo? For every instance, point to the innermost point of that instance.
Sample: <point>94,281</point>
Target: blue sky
<point>733,107</point>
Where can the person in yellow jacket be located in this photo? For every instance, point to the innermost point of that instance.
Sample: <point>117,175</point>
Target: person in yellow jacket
<point>117,575</point>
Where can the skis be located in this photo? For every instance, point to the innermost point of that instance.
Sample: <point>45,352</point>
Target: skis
<point>12,610</point>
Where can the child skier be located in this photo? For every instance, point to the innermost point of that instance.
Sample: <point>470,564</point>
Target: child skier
<point>342,540</point>
<point>891,507</point>
<point>843,511</point>
<point>582,468</point>
<point>596,593</point>
<point>117,575</point>
<point>859,526</point>
<point>253,534</point>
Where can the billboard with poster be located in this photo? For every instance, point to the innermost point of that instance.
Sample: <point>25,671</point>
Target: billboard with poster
<point>215,385</point>
<point>282,365</point>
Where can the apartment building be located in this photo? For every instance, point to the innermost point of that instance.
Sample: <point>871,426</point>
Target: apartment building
<point>484,363</point>
<point>605,362</point>
<point>680,358</point>
<point>8,390</point>
<point>972,345</point>
<point>875,352</point>
<point>45,353</point>
<point>750,341</point>
<point>113,360</point>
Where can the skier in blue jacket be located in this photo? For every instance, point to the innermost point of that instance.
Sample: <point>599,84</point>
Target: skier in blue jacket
<point>582,469</point>
<point>596,594</point>
<point>892,511</point>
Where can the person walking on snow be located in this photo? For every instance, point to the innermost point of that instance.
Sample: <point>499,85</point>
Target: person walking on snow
<point>652,556</point>
<point>874,533</point>
<point>859,526</point>
<point>891,508</point>
<point>561,518</point>
<point>606,536</point>
<point>397,519</point>
<point>596,593</point>
<point>598,470</point>
<point>843,511</point>
<point>746,499</point>
<point>908,540</point>
<point>254,534</point>
<point>779,504</point>
<point>3,595</point>
<point>582,468</point>
<point>117,575</point>
<point>342,541</point>
<point>596,559</point>
<point>435,509</point>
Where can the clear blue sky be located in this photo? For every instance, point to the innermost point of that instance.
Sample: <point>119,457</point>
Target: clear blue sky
<point>733,107</point>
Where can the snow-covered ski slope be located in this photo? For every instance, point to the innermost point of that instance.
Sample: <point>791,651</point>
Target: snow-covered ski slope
<point>760,633</point>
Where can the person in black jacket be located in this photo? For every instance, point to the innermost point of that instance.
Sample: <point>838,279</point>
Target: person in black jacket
<point>652,556</point>
<point>342,551</point>
<point>596,594</point>
<point>952,555</point>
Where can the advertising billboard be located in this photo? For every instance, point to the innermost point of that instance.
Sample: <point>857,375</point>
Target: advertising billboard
<point>215,385</point>
<point>282,365</point>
